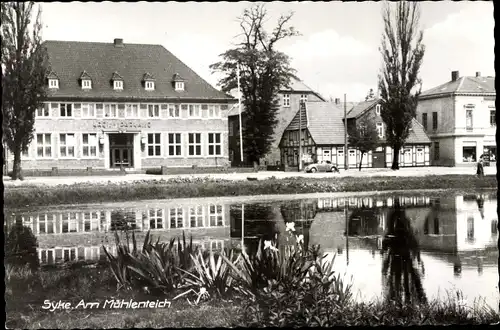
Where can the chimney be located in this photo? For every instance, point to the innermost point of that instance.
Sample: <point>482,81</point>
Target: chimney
<point>118,42</point>
<point>454,75</point>
<point>478,74</point>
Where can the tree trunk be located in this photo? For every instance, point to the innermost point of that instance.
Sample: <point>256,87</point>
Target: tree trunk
<point>395,159</point>
<point>361,160</point>
<point>16,165</point>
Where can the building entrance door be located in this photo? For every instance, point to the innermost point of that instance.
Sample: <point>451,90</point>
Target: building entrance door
<point>378,158</point>
<point>121,150</point>
<point>420,155</point>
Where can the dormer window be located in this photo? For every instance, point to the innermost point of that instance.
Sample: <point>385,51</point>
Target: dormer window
<point>53,80</point>
<point>149,81</point>
<point>178,82</point>
<point>53,83</point>
<point>118,85</point>
<point>149,85</point>
<point>117,81</point>
<point>86,84</point>
<point>179,85</point>
<point>86,80</point>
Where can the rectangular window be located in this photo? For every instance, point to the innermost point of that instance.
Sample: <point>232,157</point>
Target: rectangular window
<point>194,144</point>
<point>118,84</point>
<point>194,111</point>
<point>380,130</point>
<point>67,145</point>
<point>196,216</point>
<point>88,110</point>
<point>156,219</point>
<point>179,86</point>
<point>91,221</point>
<point>493,118</point>
<point>53,83</point>
<point>213,111</point>
<point>154,144</point>
<point>153,110</point>
<point>173,111</point>
<point>424,121</point>
<point>174,144</point>
<point>286,100</point>
<point>121,110</point>
<point>131,111</point>
<point>303,98</point>
<point>377,109</point>
<point>44,145</point>
<point>86,84</point>
<point>434,121</point>
<point>149,85</point>
<point>44,111</point>
<point>214,144</point>
<point>177,217</point>
<point>65,110</point>
<point>46,224</point>
<point>469,154</point>
<point>69,223</point>
<point>110,111</point>
<point>89,145</point>
<point>436,150</point>
<point>215,216</point>
<point>468,119</point>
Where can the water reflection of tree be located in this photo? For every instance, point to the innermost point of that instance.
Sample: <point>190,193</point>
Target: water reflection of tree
<point>20,247</point>
<point>400,250</point>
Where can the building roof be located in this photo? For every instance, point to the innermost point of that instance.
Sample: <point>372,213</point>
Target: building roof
<point>297,85</point>
<point>326,125</point>
<point>466,85</point>
<point>361,108</point>
<point>103,61</point>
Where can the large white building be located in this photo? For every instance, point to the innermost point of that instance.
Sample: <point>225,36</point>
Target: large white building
<point>459,117</point>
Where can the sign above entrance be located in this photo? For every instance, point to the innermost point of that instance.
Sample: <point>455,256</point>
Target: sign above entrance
<point>121,124</point>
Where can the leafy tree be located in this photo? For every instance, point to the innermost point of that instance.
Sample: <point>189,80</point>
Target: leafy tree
<point>364,136</point>
<point>23,76</point>
<point>370,95</point>
<point>402,52</point>
<point>263,72</point>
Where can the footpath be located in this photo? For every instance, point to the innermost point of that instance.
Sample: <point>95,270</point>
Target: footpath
<point>370,172</point>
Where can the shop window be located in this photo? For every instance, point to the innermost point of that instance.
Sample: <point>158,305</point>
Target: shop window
<point>469,154</point>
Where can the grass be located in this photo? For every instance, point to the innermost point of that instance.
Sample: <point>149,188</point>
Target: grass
<point>205,187</point>
<point>26,291</point>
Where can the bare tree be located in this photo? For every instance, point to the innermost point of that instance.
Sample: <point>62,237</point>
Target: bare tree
<point>402,52</point>
<point>264,70</point>
<point>23,76</point>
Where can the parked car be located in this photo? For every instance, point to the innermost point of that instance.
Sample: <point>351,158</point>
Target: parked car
<point>323,166</point>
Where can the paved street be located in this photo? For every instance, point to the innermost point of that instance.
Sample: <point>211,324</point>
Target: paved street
<point>419,171</point>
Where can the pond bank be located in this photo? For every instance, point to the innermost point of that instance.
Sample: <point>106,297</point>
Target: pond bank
<point>101,192</point>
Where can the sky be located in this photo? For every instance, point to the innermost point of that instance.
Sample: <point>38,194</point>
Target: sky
<point>336,53</point>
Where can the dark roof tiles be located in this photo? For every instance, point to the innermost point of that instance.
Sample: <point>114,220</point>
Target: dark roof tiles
<point>102,60</point>
<point>464,85</point>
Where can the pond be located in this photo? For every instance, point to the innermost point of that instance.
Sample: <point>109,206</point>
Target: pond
<point>450,240</point>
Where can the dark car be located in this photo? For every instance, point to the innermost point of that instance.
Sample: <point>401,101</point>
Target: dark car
<point>323,166</point>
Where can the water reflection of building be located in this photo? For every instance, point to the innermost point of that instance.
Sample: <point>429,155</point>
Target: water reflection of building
<point>78,235</point>
<point>460,229</point>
